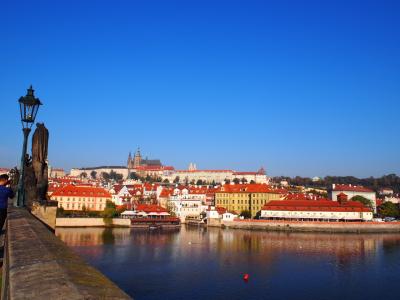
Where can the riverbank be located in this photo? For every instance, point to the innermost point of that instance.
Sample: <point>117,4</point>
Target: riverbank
<point>92,222</point>
<point>305,226</point>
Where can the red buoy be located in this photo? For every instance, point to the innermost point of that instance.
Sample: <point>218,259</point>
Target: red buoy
<point>246,277</point>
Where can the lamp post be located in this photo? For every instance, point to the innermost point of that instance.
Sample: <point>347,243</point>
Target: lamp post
<point>28,107</point>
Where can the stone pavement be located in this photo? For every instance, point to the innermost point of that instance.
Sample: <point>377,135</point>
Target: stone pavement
<point>40,266</point>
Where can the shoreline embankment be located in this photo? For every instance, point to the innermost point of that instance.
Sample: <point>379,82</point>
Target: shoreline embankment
<point>92,222</point>
<point>260,225</point>
<point>309,226</point>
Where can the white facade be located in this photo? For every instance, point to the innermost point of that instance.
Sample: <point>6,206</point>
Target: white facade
<point>121,195</point>
<point>213,214</point>
<point>183,208</point>
<point>351,192</point>
<point>218,176</point>
<point>227,216</point>
<point>325,215</point>
<point>393,199</point>
<point>119,170</point>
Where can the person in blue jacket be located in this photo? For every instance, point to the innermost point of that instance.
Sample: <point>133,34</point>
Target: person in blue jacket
<point>5,193</point>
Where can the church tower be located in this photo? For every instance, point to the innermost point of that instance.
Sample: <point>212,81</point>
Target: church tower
<point>137,159</point>
<point>129,163</point>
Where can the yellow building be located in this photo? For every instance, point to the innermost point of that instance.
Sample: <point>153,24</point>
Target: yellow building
<point>72,197</point>
<point>240,197</point>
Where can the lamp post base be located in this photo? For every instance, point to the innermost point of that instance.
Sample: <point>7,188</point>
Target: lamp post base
<point>21,188</point>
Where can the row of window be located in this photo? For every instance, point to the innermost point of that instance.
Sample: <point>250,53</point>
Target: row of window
<point>308,213</point>
<point>79,199</point>
<point>246,195</point>
<point>79,206</point>
<point>255,201</point>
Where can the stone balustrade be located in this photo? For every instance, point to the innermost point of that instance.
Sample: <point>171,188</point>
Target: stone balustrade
<point>37,265</point>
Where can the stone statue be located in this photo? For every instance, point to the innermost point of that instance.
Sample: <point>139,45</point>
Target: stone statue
<point>29,182</point>
<point>14,178</point>
<point>40,142</point>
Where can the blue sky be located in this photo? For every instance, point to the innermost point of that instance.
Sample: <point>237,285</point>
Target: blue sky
<point>306,88</point>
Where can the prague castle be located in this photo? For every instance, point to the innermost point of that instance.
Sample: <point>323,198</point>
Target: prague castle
<point>138,161</point>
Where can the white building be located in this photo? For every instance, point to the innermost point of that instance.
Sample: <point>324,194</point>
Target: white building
<point>77,172</point>
<point>217,176</point>
<point>229,216</point>
<point>352,190</point>
<point>316,210</point>
<point>72,197</point>
<point>183,208</point>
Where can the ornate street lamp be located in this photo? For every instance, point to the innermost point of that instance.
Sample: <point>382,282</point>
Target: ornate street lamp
<point>28,106</point>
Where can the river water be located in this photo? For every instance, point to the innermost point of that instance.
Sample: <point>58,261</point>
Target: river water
<point>209,263</point>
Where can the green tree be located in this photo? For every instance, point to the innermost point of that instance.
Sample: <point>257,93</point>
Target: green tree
<point>93,174</point>
<point>105,176</point>
<point>166,180</point>
<point>176,180</point>
<point>110,211</point>
<point>236,180</point>
<point>389,209</point>
<point>199,182</point>
<point>60,211</point>
<point>133,176</point>
<point>84,175</point>
<point>252,182</point>
<point>245,214</point>
<point>243,180</point>
<point>192,182</point>
<point>115,176</point>
<point>363,200</point>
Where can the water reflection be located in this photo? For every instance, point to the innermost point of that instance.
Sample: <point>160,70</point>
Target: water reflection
<point>283,265</point>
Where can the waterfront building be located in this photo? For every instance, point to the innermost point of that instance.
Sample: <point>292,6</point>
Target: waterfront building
<point>151,216</point>
<point>185,207</point>
<point>214,212</point>
<point>241,197</point>
<point>317,210</point>
<point>72,197</point>
<point>229,216</point>
<point>350,191</point>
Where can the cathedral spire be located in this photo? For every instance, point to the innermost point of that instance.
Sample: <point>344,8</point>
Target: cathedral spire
<point>129,159</point>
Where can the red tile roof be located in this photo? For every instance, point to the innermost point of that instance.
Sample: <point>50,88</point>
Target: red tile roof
<point>246,188</point>
<point>315,205</point>
<point>208,171</point>
<point>154,168</point>
<point>301,196</point>
<point>351,188</point>
<point>245,173</point>
<point>148,208</point>
<point>81,191</point>
<point>165,193</point>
